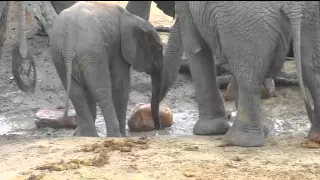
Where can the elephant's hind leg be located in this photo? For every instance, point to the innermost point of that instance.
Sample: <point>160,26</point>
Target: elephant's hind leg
<point>86,126</point>
<point>311,79</point>
<point>98,80</point>
<point>212,115</point>
<point>247,130</point>
<point>235,92</point>
<point>92,104</point>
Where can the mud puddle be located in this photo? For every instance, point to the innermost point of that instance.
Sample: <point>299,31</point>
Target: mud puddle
<point>279,113</point>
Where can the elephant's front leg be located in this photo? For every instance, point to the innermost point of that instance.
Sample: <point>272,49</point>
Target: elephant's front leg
<point>120,74</point>
<point>247,130</point>
<point>212,113</point>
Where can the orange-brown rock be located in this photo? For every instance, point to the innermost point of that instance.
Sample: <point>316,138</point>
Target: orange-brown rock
<point>141,118</point>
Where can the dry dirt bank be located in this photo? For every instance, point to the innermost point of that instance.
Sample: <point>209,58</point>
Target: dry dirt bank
<point>161,158</point>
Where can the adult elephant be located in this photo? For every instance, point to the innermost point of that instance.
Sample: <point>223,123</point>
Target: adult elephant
<point>142,9</point>
<point>253,38</point>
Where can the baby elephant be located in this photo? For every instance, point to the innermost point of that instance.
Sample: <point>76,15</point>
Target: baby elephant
<point>93,46</point>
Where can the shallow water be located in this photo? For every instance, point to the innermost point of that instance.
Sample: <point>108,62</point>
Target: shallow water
<point>183,124</point>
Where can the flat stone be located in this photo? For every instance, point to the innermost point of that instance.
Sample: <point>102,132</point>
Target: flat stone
<point>54,119</point>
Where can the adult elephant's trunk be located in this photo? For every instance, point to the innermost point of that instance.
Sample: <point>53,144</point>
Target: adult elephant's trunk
<point>172,58</point>
<point>20,56</point>
<point>296,23</point>
<point>156,80</point>
<point>22,34</point>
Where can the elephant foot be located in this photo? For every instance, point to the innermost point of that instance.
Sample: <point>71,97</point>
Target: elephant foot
<point>123,134</point>
<point>313,141</point>
<point>86,133</point>
<point>238,137</point>
<point>215,126</point>
<point>314,136</point>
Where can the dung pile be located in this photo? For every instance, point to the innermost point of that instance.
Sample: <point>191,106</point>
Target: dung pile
<point>102,149</point>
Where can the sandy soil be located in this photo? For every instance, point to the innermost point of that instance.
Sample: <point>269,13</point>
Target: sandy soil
<point>196,158</point>
<point>173,157</point>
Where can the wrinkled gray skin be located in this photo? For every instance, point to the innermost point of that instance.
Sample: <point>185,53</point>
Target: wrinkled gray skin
<point>310,42</point>
<point>21,34</point>
<point>253,38</point>
<point>19,48</point>
<point>142,9</point>
<point>93,46</point>
<point>4,7</point>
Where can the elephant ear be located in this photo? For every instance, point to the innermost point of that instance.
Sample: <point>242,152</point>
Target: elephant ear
<point>128,38</point>
<point>139,44</point>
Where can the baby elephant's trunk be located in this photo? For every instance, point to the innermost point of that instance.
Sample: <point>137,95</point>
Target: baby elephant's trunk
<point>155,99</point>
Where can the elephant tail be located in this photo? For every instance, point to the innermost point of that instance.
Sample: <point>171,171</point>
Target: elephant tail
<point>68,54</point>
<point>294,13</point>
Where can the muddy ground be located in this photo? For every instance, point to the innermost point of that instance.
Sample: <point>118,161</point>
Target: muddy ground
<point>167,157</point>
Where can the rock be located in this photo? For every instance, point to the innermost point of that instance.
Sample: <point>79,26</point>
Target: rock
<point>141,118</point>
<point>55,119</point>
